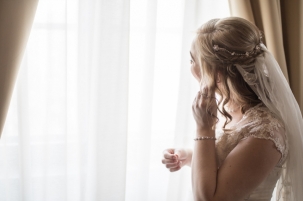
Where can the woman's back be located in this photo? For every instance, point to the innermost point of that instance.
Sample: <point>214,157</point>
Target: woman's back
<point>257,122</point>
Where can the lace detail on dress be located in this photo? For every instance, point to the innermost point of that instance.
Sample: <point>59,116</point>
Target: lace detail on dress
<point>257,122</point>
<point>265,126</point>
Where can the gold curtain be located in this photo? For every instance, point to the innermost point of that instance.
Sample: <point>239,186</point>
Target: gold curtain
<point>282,24</point>
<point>16,17</point>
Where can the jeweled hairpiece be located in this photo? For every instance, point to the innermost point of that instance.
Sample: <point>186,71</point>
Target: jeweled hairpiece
<point>217,48</point>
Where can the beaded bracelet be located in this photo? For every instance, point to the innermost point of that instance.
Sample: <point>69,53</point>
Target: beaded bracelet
<point>205,138</point>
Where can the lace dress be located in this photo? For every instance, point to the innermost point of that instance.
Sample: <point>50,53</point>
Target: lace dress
<point>257,122</point>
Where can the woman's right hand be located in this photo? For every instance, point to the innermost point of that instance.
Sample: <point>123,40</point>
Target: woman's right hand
<point>175,159</point>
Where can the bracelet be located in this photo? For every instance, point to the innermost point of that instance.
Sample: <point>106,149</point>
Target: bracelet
<point>205,138</point>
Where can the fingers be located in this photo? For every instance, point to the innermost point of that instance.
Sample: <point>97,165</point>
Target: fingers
<point>175,169</point>
<point>171,160</point>
<point>204,97</point>
<point>169,154</point>
<point>204,91</point>
<point>172,165</point>
<point>200,99</point>
<point>172,154</point>
<point>181,154</point>
<point>205,108</point>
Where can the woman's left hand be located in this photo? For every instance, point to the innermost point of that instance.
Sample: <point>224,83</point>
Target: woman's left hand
<point>204,109</point>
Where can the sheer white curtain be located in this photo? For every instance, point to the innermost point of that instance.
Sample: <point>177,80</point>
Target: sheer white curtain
<point>103,88</point>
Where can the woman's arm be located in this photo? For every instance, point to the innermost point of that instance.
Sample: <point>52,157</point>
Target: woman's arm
<point>246,166</point>
<point>204,167</point>
<point>241,172</point>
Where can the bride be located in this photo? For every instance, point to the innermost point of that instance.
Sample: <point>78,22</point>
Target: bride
<point>249,128</point>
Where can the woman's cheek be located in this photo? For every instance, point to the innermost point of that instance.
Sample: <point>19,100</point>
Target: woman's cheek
<point>196,72</point>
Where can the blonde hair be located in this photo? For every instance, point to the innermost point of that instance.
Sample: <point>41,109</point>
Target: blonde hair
<point>236,36</point>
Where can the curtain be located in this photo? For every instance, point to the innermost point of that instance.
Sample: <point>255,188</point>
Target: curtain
<point>281,22</point>
<point>16,18</point>
<point>104,87</point>
<point>292,24</point>
<point>161,93</point>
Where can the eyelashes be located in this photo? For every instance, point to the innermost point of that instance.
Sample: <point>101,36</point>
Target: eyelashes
<point>191,61</point>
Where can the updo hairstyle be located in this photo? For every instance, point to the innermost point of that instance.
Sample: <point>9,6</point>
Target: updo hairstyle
<point>221,43</point>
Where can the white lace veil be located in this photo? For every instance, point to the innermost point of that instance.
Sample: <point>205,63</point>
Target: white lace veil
<point>268,82</point>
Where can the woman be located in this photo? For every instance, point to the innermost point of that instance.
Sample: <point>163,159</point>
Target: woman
<point>249,125</point>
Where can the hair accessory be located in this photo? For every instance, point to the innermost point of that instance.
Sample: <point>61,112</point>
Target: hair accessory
<point>205,138</point>
<point>257,47</point>
<point>217,48</point>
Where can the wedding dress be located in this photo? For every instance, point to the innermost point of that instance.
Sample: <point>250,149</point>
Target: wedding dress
<point>266,79</point>
<point>278,119</point>
<point>257,122</point>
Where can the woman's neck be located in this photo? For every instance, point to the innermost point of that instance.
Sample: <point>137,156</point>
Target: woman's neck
<point>234,109</point>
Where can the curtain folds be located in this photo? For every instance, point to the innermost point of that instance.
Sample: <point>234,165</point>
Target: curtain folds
<point>281,22</point>
<point>16,19</point>
<point>292,24</point>
<point>104,87</point>
<point>66,131</point>
<point>102,96</point>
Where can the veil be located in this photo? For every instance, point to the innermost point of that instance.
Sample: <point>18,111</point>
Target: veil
<point>268,82</point>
